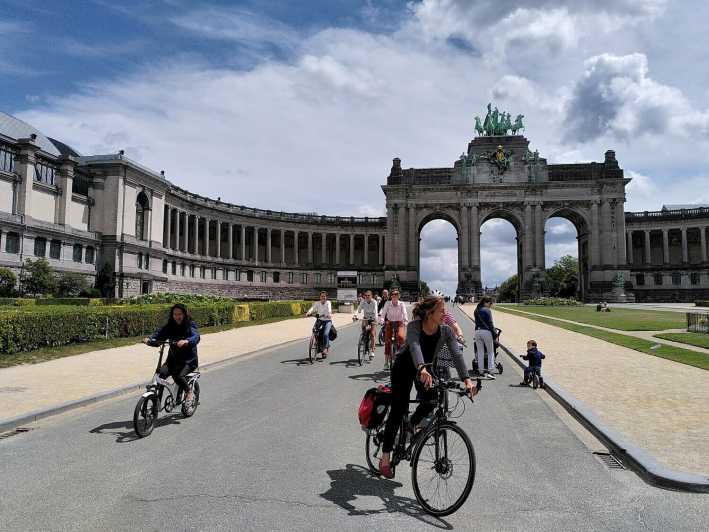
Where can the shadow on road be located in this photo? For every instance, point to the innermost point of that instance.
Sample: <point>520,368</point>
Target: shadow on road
<point>346,485</point>
<point>123,430</point>
<point>300,361</point>
<point>351,363</point>
<point>377,376</point>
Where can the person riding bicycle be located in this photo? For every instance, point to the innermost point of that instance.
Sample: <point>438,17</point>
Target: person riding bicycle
<point>395,318</point>
<point>323,309</point>
<point>485,336</point>
<point>534,356</point>
<point>368,308</point>
<point>425,337</point>
<point>181,331</point>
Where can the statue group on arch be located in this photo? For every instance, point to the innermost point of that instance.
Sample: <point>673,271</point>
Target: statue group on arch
<point>498,123</point>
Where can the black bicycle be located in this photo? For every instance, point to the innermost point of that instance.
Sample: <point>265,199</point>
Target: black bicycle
<point>364,346</point>
<point>395,345</point>
<point>441,455</point>
<point>160,395</point>
<point>317,340</point>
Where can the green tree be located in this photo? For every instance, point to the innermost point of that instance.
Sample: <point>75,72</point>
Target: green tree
<point>8,282</point>
<point>72,285</point>
<point>561,280</point>
<point>424,290</point>
<point>38,278</point>
<point>509,290</point>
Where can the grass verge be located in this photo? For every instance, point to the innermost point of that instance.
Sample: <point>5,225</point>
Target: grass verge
<point>676,354</point>
<point>51,353</point>
<point>619,318</point>
<point>689,338</point>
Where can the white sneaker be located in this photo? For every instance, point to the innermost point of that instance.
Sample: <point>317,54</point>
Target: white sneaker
<point>489,375</point>
<point>371,355</point>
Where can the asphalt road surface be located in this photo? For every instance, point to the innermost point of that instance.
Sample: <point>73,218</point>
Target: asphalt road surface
<point>275,445</point>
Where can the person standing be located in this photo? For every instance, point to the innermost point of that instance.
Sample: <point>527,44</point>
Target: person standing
<point>485,336</point>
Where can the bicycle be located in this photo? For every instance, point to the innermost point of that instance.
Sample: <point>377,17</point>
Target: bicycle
<point>395,345</point>
<point>380,336</point>
<point>151,402</point>
<point>317,341</point>
<point>365,341</point>
<point>438,451</point>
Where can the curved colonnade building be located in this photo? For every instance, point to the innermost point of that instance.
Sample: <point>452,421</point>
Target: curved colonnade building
<point>85,212</point>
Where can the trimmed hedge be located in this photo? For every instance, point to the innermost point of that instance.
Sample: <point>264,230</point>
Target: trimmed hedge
<point>278,309</point>
<point>82,301</point>
<point>552,301</point>
<point>17,301</point>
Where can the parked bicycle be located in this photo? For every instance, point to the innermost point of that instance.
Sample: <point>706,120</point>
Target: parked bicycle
<point>441,455</point>
<point>315,347</point>
<point>162,395</point>
<point>364,346</point>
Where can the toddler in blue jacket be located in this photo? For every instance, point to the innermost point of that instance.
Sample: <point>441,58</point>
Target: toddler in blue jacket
<point>534,356</point>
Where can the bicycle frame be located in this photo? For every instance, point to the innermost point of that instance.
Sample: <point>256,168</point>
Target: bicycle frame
<point>158,385</point>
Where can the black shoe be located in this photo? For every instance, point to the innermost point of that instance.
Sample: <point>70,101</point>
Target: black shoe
<point>524,383</point>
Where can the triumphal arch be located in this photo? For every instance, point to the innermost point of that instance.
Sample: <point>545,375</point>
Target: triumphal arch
<point>498,176</point>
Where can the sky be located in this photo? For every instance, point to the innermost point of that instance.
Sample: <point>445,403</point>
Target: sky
<point>301,106</point>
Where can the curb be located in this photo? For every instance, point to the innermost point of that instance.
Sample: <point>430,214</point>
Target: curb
<point>632,456</point>
<point>32,417</point>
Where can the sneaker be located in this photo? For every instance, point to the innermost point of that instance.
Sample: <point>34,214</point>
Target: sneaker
<point>523,383</point>
<point>386,365</point>
<point>489,375</point>
<point>371,355</point>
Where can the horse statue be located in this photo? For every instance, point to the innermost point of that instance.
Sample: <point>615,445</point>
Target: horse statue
<point>478,127</point>
<point>518,125</point>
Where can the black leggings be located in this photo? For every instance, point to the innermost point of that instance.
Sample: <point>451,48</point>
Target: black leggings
<point>403,376</point>
<point>178,371</point>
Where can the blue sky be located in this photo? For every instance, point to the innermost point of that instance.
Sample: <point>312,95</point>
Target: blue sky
<point>268,103</point>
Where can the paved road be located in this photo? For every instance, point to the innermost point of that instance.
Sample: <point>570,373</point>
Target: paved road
<point>275,446</point>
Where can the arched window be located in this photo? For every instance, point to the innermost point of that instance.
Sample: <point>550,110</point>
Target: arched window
<point>142,205</point>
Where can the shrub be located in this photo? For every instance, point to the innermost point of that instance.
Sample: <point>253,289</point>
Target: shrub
<point>8,282</point>
<point>242,313</point>
<point>82,301</point>
<point>17,301</point>
<point>72,285</point>
<point>551,301</point>
<point>701,303</point>
<point>38,277</point>
<point>167,298</point>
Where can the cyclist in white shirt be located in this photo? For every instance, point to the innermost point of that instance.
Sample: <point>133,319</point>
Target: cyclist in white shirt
<point>368,308</point>
<point>323,309</point>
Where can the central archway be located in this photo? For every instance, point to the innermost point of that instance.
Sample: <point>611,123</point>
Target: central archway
<point>439,260</point>
<point>506,252</point>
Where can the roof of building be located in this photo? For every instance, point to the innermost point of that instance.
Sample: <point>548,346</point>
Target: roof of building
<point>678,206</point>
<point>14,128</point>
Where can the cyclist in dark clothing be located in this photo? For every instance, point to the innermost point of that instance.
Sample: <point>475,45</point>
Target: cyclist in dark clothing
<point>425,337</point>
<point>534,356</point>
<point>182,358</point>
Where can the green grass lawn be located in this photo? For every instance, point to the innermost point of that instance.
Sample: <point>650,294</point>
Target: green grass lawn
<point>690,338</point>
<point>50,353</point>
<point>677,354</point>
<point>619,318</point>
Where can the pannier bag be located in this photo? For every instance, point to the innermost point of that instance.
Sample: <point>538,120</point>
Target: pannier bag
<point>333,333</point>
<point>374,407</point>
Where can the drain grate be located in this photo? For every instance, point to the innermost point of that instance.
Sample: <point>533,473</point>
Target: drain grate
<point>18,430</point>
<point>609,460</point>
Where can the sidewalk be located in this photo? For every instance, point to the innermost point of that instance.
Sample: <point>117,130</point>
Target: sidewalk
<point>657,404</point>
<point>35,387</point>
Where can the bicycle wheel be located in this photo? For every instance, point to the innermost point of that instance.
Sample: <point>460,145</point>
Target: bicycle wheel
<point>443,469</point>
<point>313,349</point>
<point>361,349</point>
<point>189,411</point>
<point>535,381</point>
<point>373,448</point>
<point>145,415</point>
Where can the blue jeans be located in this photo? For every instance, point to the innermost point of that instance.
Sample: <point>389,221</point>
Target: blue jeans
<point>531,370</point>
<point>327,325</point>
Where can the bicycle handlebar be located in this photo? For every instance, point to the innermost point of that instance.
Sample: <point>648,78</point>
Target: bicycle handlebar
<point>452,385</point>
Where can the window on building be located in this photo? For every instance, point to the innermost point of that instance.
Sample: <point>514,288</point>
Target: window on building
<point>676,278</point>
<point>90,256</point>
<point>174,268</point>
<point>303,278</point>
<point>191,270</point>
<point>164,266</point>
<point>237,275</point>
<point>694,278</point>
<point>330,278</point>
<point>640,279</point>
<point>7,158</point>
<point>202,272</point>
<point>290,277</point>
<point>214,273</point>
<point>44,173</point>
<point>145,287</point>
<point>80,184</point>
<point>249,276</point>
<point>142,206</point>
<point>318,279</point>
<point>146,261</point>
<point>276,277</point>
<point>40,247</point>
<point>55,249</point>
<point>262,275</point>
<point>658,279</point>
<point>77,253</point>
<point>140,261</point>
<point>12,243</point>
<point>182,270</point>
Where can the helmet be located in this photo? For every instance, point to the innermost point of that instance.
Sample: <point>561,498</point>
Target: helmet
<point>437,293</point>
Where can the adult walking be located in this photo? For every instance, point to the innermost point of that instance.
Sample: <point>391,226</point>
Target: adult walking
<point>485,335</point>
<point>425,337</point>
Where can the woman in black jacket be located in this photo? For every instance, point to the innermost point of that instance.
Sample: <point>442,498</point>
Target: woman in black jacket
<point>425,337</point>
<point>182,359</point>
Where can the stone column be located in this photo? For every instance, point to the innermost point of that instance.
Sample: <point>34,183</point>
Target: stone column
<point>366,249</point>
<point>474,236</point>
<point>527,235</point>
<point>648,248</point>
<point>464,238</point>
<point>24,166</point>
<point>539,258</point>
<point>413,238</point>
<point>323,239</point>
<point>255,245</point>
<point>337,248</point>
<point>186,231</point>
<point>620,232</point>
<point>703,242</point>
<point>381,250</point>
<point>207,237</point>
<point>310,247</point>
<point>268,245</point>
<point>295,247</point>
<point>629,247</point>
<point>66,180</point>
<point>607,253</point>
<point>243,242</point>
<point>219,239</point>
<point>665,247</point>
<point>230,237</point>
<point>351,249</point>
<point>169,227</point>
<point>283,247</point>
<point>595,234</point>
<point>685,254</point>
<point>196,235</point>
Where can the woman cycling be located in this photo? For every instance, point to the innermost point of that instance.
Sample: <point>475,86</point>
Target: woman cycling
<point>181,331</point>
<point>323,309</point>
<point>425,337</point>
<point>485,335</point>
<point>394,317</point>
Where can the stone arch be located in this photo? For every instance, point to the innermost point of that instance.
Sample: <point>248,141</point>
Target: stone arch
<point>427,215</point>
<point>514,216</point>
<point>505,213</point>
<point>142,206</point>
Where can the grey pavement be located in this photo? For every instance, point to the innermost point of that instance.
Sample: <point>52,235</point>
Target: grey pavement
<point>275,445</point>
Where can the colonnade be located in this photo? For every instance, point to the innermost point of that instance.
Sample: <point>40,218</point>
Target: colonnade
<point>667,234</point>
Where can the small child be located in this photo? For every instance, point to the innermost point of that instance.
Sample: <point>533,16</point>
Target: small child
<point>534,356</point>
